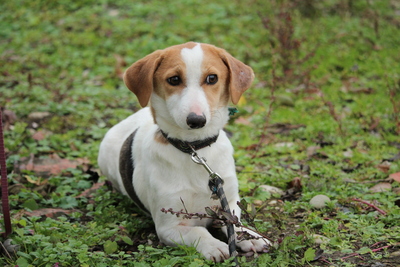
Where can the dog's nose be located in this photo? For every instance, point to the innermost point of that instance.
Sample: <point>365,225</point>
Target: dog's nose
<point>195,121</point>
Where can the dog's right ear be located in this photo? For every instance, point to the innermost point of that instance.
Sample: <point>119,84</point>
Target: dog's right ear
<point>139,77</point>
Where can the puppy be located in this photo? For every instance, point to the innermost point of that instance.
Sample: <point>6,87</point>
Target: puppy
<point>147,155</point>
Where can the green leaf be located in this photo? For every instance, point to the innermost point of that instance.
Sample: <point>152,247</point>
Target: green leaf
<point>22,262</point>
<point>127,240</point>
<point>30,204</point>
<point>22,222</point>
<point>364,250</point>
<point>210,212</point>
<point>309,255</point>
<point>110,247</point>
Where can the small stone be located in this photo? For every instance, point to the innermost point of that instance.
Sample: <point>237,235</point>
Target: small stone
<point>273,202</point>
<point>395,254</point>
<point>258,202</point>
<point>272,189</point>
<point>348,153</point>
<point>10,248</point>
<point>320,239</point>
<point>319,201</point>
<point>38,115</point>
<point>284,144</point>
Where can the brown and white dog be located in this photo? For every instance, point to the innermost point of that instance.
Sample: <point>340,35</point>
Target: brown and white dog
<point>146,155</point>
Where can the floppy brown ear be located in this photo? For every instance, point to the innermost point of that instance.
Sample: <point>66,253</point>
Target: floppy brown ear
<point>139,77</point>
<point>240,77</point>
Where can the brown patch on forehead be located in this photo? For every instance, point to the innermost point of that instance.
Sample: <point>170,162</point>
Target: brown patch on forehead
<point>217,94</point>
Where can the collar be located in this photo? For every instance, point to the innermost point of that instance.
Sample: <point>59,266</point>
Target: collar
<point>186,147</point>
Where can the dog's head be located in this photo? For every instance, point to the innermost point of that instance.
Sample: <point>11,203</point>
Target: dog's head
<point>189,86</point>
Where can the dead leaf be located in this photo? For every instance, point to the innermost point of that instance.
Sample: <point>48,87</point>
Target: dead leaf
<point>9,118</point>
<point>14,189</point>
<point>384,166</point>
<point>39,180</point>
<point>48,212</point>
<point>282,128</point>
<point>395,176</point>
<point>91,190</point>
<point>295,183</point>
<point>266,139</point>
<point>40,135</point>
<point>251,147</point>
<point>396,191</point>
<point>52,165</point>
<point>242,121</point>
<point>381,187</point>
<point>119,66</point>
<point>294,189</point>
<point>312,150</point>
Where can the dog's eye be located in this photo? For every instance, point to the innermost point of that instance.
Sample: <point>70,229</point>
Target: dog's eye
<point>174,81</point>
<point>212,79</point>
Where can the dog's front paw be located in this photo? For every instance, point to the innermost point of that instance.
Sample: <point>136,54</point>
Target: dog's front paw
<point>216,250</point>
<point>254,241</point>
<point>255,245</point>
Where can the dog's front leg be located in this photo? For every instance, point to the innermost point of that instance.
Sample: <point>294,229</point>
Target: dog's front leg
<point>196,236</point>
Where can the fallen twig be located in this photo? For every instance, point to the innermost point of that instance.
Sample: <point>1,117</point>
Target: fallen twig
<point>370,205</point>
<point>372,250</point>
<point>5,250</point>
<point>378,249</point>
<point>353,255</point>
<point>387,180</point>
<point>325,260</point>
<point>377,243</point>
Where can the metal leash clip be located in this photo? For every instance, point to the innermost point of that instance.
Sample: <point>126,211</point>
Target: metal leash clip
<point>214,179</point>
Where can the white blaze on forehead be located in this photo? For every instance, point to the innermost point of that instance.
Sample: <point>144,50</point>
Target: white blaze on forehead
<point>193,59</point>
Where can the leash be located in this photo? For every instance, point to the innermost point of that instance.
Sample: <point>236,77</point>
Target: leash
<point>4,183</point>
<point>217,192</point>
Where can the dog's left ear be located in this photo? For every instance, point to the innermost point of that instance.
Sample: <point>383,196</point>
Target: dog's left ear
<point>139,77</point>
<point>240,77</point>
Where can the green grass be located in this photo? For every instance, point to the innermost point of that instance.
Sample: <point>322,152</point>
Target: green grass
<point>62,57</point>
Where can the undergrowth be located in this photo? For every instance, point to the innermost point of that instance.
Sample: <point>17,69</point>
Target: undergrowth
<point>321,118</point>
